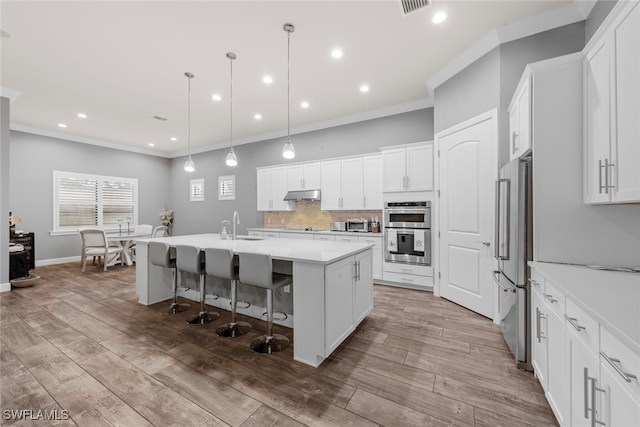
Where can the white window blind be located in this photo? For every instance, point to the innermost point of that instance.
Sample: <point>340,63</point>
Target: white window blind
<point>196,190</point>
<point>227,187</point>
<point>82,200</point>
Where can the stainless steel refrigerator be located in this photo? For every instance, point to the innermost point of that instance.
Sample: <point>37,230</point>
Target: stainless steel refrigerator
<point>512,251</point>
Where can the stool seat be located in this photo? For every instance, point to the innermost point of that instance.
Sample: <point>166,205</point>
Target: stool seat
<point>257,270</point>
<point>220,264</point>
<point>191,259</point>
<point>160,254</point>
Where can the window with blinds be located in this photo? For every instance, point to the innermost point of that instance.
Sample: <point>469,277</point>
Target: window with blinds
<point>196,190</point>
<point>227,187</point>
<point>82,200</point>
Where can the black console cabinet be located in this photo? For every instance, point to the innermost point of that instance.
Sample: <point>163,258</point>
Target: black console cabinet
<point>28,241</point>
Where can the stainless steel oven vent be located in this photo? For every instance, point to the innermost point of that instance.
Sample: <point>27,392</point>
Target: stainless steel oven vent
<point>410,6</point>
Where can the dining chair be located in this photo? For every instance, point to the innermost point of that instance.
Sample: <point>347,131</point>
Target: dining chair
<point>140,228</point>
<point>160,231</point>
<point>95,243</point>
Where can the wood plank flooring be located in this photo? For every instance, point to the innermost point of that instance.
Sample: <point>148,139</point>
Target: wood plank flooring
<point>80,342</point>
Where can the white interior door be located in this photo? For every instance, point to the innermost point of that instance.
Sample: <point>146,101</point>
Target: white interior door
<point>467,171</point>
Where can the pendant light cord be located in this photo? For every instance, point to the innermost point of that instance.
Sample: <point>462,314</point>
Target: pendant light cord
<point>189,115</point>
<point>288,86</point>
<point>231,104</point>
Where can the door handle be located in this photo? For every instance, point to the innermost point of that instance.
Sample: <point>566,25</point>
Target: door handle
<point>486,243</point>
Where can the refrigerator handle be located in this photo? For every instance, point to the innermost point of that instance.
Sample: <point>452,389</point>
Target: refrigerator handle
<point>499,242</point>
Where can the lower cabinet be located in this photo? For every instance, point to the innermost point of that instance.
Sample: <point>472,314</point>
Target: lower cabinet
<point>348,297</point>
<point>589,376</point>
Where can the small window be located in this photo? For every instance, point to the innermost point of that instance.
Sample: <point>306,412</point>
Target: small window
<point>227,187</point>
<point>197,190</point>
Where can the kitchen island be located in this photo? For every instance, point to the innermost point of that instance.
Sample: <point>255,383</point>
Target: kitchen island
<point>332,285</point>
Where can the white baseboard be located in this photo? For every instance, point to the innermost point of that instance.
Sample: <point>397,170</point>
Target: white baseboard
<point>54,261</point>
<point>5,287</point>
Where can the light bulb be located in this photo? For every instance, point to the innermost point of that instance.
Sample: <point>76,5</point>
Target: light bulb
<point>231,159</point>
<point>288,152</point>
<point>189,166</point>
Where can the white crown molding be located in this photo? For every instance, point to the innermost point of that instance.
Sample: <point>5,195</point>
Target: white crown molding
<point>339,121</point>
<point>576,11</point>
<point>83,139</point>
<point>7,92</point>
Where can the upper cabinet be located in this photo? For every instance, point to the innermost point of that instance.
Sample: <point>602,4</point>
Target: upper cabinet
<point>342,184</point>
<point>408,168</point>
<point>271,189</point>
<point>612,109</point>
<point>305,176</point>
<point>372,185</point>
<point>520,119</point>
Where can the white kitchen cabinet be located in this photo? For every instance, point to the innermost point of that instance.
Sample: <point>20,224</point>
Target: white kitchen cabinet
<point>612,108</point>
<point>362,286</point>
<point>377,253</point>
<point>271,189</point>
<point>339,278</point>
<point>325,237</point>
<point>305,176</point>
<point>303,236</point>
<point>372,166</point>
<point>617,406</point>
<point>584,371</point>
<point>347,238</point>
<point>408,168</point>
<point>520,119</point>
<point>539,331</point>
<point>557,373</point>
<point>342,184</point>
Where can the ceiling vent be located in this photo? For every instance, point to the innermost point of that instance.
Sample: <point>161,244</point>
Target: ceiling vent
<point>162,119</point>
<point>410,6</point>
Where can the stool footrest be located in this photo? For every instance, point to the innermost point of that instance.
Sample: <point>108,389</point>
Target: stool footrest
<point>203,318</point>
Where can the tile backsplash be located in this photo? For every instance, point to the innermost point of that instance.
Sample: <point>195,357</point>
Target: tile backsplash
<point>308,214</point>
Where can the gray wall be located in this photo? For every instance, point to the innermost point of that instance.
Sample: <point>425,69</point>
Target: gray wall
<point>597,15</point>
<point>490,81</point>
<point>352,139</point>
<point>33,160</point>
<point>4,188</point>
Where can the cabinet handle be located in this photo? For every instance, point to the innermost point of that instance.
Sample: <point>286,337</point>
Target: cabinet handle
<point>594,390</point>
<point>586,393</point>
<point>358,270</point>
<point>618,367</point>
<point>607,176</point>
<point>550,298</point>
<point>600,186</point>
<point>539,316</point>
<point>533,282</point>
<point>301,183</point>
<point>364,201</point>
<point>407,182</point>
<point>514,136</point>
<point>404,182</point>
<point>574,322</point>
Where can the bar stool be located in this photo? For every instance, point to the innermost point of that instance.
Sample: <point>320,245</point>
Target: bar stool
<point>191,260</point>
<point>219,263</point>
<point>257,270</point>
<point>160,255</point>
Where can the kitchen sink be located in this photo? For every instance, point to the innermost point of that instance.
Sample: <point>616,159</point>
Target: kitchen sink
<point>249,238</point>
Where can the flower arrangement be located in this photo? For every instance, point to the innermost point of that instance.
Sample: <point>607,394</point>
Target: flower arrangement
<point>166,218</point>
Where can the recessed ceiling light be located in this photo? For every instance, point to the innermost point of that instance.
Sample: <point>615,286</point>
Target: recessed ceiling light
<point>258,117</point>
<point>267,79</point>
<point>173,138</point>
<point>304,104</point>
<point>82,115</point>
<point>336,53</point>
<point>216,97</point>
<point>62,125</point>
<point>439,17</point>
<point>364,88</point>
<point>151,144</point>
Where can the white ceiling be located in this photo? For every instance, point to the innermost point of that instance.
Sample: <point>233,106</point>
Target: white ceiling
<point>122,63</point>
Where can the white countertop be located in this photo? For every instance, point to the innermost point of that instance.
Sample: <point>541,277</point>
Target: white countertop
<point>313,251</point>
<point>611,297</point>
<point>293,230</point>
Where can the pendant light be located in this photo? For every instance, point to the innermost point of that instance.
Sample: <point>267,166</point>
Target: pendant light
<point>231,159</point>
<point>288,152</point>
<point>189,166</point>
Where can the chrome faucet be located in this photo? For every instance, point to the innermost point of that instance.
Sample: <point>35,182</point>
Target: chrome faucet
<point>236,220</point>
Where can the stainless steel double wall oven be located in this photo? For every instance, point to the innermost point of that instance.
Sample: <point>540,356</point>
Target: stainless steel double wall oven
<point>407,232</point>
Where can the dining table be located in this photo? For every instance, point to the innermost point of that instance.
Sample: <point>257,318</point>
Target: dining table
<point>124,240</point>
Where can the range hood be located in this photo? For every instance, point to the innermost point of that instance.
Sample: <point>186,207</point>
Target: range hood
<point>302,195</point>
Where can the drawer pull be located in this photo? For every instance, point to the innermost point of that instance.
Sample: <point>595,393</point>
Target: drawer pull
<point>550,298</point>
<point>533,282</point>
<point>618,367</point>
<point>574,322</point>
<point>594,401</point>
